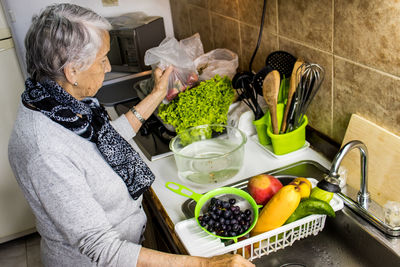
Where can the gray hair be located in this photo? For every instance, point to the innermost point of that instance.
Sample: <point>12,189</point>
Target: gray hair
<point>63,34</point>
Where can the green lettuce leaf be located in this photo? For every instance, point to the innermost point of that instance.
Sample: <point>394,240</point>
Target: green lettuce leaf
<point>207,103</point>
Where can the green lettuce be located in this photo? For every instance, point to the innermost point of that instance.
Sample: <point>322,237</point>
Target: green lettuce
<point>207,103</point>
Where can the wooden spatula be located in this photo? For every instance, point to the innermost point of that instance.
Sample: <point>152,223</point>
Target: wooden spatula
<point>292,89</point>
<point>271,86</point>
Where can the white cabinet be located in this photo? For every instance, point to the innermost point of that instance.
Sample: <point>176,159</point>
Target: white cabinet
<point>16,218</point>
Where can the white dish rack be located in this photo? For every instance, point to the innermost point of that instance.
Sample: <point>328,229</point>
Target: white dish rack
<point>198,243</point>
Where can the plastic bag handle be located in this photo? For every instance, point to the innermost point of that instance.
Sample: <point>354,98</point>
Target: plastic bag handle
<point>179,190</point>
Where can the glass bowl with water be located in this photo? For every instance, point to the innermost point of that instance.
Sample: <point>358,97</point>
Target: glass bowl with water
<point>208,153</point>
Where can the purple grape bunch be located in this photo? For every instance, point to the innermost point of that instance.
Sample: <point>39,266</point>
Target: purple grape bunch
<point>224,218</point>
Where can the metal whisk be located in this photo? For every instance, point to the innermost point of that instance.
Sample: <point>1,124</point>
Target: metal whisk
<point>310,77</point>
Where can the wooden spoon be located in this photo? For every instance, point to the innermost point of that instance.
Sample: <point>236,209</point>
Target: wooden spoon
<point>292,89</point>
<point>271,86</point>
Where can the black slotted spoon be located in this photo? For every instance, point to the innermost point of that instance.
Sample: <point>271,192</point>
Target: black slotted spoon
<point>281,61</point>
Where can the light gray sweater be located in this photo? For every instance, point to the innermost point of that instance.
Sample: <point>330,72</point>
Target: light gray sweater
<point>83,210</point>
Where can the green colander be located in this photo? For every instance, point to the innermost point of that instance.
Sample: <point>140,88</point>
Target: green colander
<point>243,200</point>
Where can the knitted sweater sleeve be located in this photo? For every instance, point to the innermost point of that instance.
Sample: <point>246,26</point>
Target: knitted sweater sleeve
<point>122,126</point>
<point>69,202</point>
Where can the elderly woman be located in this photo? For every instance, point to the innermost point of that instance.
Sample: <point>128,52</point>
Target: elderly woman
<point>82,179</point>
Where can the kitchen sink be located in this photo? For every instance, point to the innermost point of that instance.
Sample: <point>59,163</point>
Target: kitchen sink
<point>342,243</point>
<point>347,240</point>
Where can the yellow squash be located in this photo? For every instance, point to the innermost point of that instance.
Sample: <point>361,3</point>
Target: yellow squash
<point>305,186</point>
<point>278,209</point>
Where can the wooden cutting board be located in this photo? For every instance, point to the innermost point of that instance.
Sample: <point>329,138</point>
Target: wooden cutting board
<point>383,159</point>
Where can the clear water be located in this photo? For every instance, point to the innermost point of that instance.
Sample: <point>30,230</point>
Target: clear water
<point>208,162</point>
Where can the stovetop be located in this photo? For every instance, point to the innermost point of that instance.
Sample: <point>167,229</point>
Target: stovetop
<point>153,139</point>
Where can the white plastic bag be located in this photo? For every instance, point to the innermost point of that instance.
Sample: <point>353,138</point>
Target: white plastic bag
<point>193,46</point>
<point>219,61</point>
<point>172,52</point>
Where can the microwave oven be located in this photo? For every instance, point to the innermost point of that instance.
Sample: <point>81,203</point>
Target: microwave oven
<point>129,44</point>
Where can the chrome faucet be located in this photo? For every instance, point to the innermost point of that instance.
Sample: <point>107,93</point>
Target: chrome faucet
<point>363,194</point>
<point>370,210</point>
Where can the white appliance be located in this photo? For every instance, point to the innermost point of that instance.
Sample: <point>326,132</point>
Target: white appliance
<point>16,218</point>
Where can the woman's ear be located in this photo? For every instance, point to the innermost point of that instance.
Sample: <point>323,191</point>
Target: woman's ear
<point>70,74</point>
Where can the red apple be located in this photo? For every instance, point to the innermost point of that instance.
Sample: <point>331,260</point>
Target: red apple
<point>262,187</point>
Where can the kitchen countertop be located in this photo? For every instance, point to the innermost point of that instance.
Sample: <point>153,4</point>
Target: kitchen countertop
<point>256,161</point>
<point>167,206</point>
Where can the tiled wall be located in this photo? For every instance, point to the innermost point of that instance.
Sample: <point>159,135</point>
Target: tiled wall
<point>357,42</point>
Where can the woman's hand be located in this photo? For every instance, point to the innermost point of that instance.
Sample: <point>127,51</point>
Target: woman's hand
<point>229,260</point>
<point>149,257</point>
<point>161,81</point>
<point>147,106</point>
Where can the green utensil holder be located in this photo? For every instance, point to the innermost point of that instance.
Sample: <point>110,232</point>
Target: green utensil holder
<point>263,123</point>
<point>261,127</point>
<point>288,142</point>
<point>281,143</point>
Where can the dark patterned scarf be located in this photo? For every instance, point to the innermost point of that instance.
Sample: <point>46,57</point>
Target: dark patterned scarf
<point>53,101</point>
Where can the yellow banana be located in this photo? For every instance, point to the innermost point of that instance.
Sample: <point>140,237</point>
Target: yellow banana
<point>278,209</point>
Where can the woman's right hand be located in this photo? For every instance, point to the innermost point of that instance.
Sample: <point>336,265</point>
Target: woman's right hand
<point>147,106</point>
<point>149,257</point>
<point>228,260</point>
<point>161,80</point>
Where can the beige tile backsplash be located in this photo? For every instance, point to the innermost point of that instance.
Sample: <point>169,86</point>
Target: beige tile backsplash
<point>202,26</point>
<point>227,8</point>
<point>225,32</point>
<point>357,42</point>
<point>307,21</point>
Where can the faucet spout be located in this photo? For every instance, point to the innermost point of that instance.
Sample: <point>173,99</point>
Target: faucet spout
<point>363,195</point>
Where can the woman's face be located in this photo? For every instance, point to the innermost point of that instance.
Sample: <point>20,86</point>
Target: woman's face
<point>91,80</point>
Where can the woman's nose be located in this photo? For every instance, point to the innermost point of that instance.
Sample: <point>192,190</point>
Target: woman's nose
<point>107,67</point>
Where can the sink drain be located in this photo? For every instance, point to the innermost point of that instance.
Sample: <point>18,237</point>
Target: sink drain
<point>292,264</point>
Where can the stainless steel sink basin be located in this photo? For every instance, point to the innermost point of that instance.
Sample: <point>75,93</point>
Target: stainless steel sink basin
<point>342,243</point>
<point>346,240</point>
